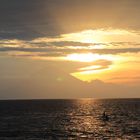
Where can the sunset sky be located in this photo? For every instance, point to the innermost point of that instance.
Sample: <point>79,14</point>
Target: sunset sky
<point>69,49</point>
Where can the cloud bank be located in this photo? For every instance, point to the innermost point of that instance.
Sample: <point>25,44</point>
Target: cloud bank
<point>30,19</point>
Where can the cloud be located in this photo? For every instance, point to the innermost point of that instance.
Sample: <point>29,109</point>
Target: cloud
<point>130,78</point>
<point>22,78</point>
<point>58,47</point>
<point>33,18</point>
<point>51,87</point>
<point>42,52</point>
<point>71,43</point>
<point>96,65</point>
<point>113,43</point>
<point>117,51</point>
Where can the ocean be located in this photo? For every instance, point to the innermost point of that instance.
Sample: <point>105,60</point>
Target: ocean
<point>77,119</point>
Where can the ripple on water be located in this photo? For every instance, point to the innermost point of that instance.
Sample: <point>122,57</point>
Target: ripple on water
<point>70,119</point>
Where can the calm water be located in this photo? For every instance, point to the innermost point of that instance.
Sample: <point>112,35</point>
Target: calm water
<point>69,119</point>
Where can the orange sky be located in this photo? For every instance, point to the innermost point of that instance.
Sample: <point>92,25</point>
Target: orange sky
<point>64,49</point>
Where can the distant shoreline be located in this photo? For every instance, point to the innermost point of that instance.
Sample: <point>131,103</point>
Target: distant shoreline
<point>71,99</point>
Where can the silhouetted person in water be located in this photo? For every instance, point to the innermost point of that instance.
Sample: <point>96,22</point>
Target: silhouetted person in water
<point>105,117</point>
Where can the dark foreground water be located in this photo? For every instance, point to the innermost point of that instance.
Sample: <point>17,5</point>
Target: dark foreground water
<point>70,119</point>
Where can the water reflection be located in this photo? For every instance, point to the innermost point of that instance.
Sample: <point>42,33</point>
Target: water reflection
<point>70,119</point>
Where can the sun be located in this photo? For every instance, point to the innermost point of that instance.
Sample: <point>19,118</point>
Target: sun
<point>87,57</point>
<point>81,57</point>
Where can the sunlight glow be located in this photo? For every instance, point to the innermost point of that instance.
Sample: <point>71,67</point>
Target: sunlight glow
<point>101,36</point>
<point>90,68</point>
<point>99,54</point>
<point>87,57</point>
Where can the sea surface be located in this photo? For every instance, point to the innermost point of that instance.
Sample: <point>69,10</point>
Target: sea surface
<point>70,119</point>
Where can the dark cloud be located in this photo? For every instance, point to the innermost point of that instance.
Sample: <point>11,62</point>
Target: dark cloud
<point>70,43</point>
<point>28,19</point>
<point>62,52</point>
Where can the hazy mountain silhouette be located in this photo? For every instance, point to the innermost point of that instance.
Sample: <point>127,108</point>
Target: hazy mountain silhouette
<point>57,84</point>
